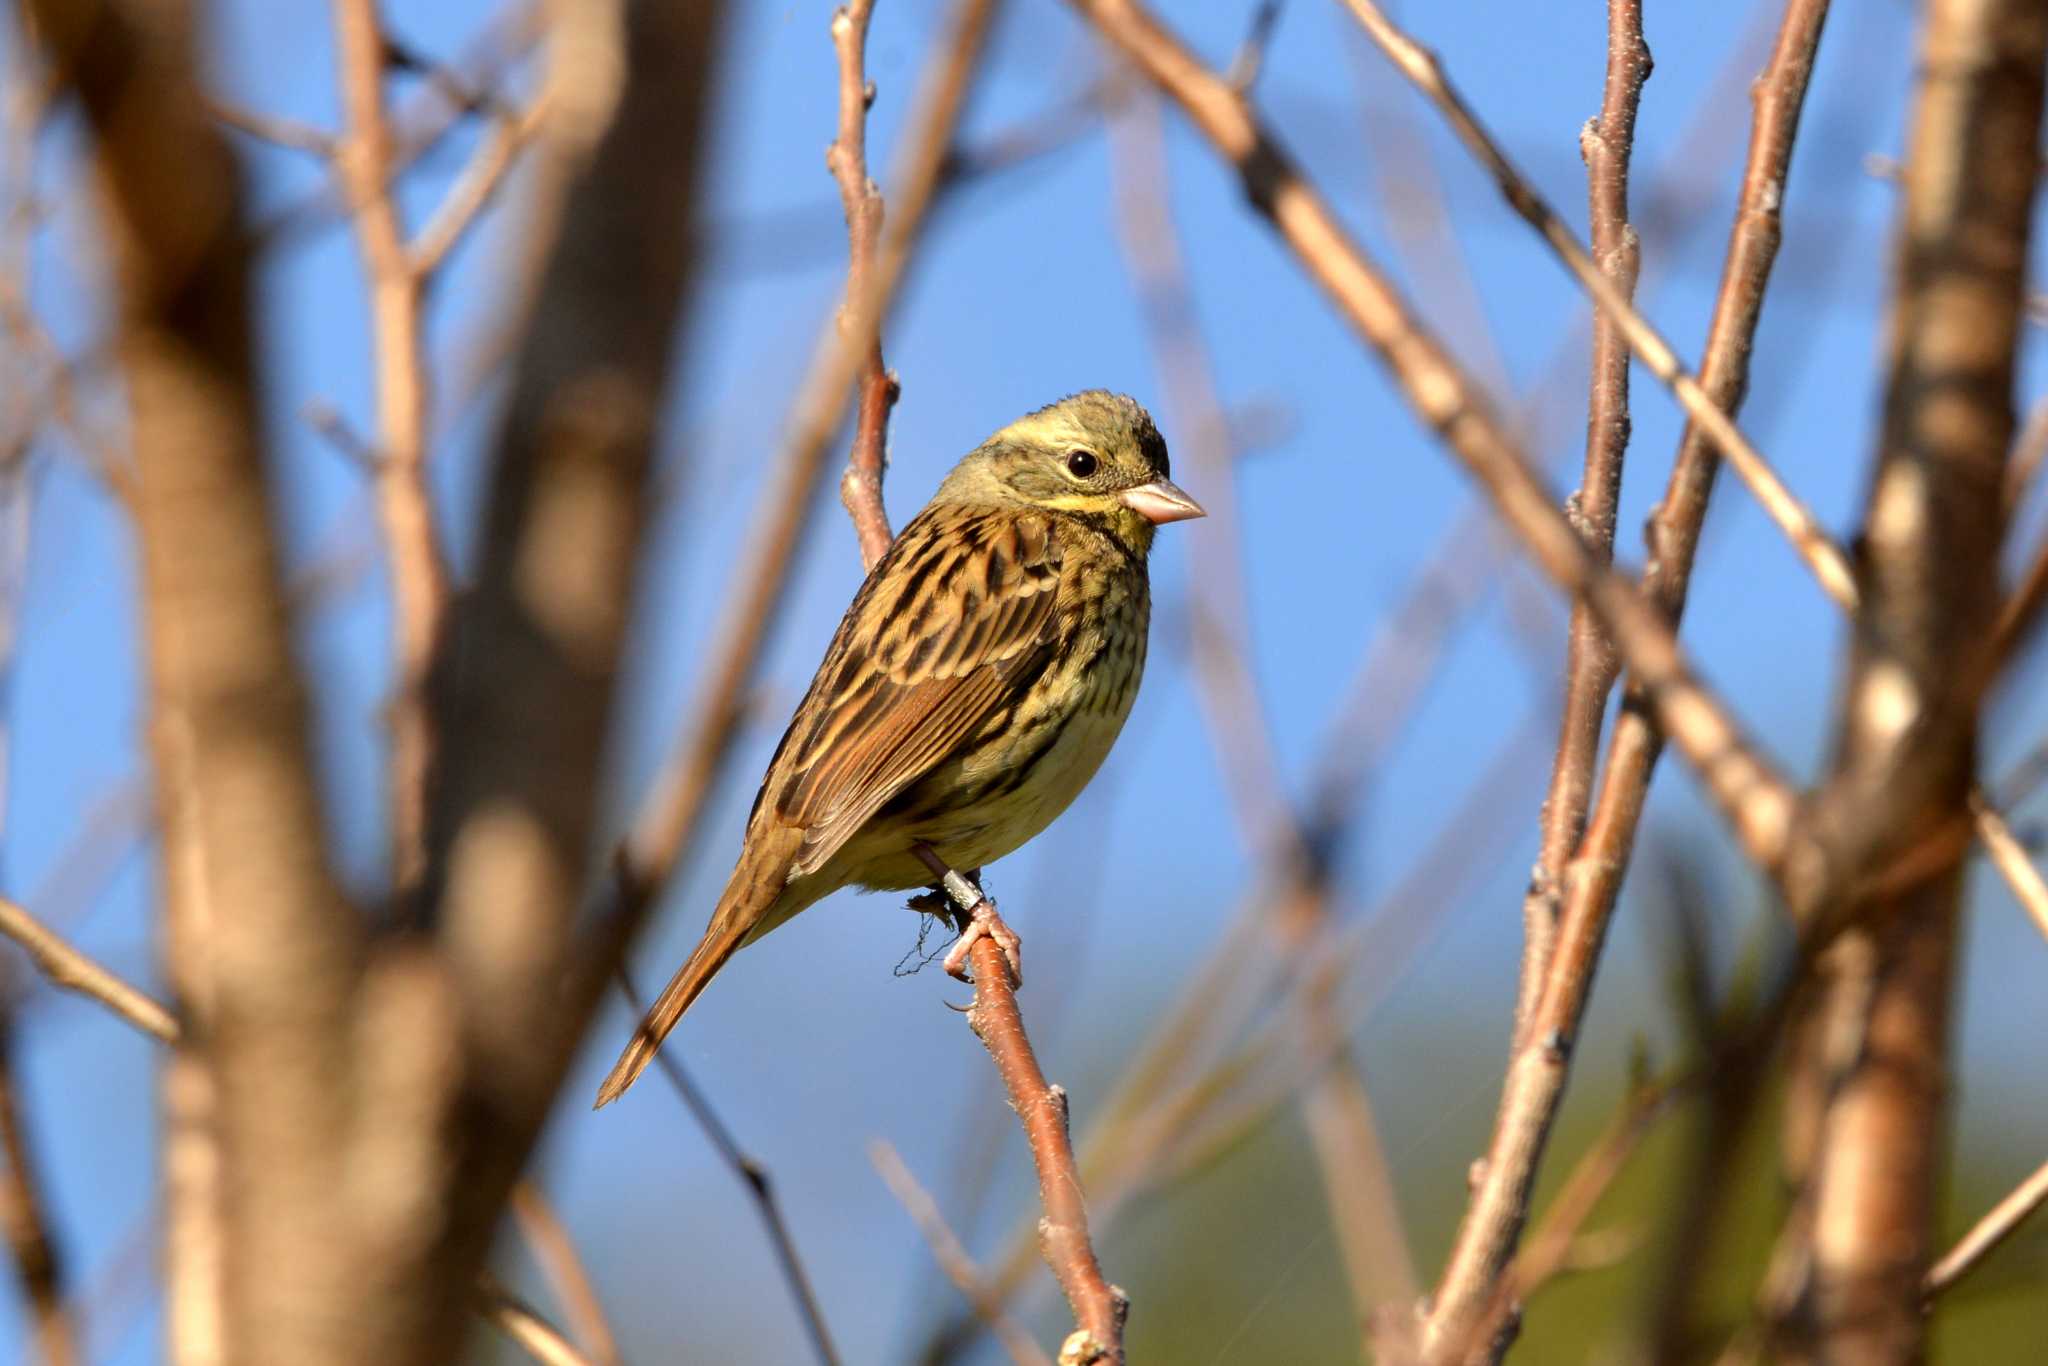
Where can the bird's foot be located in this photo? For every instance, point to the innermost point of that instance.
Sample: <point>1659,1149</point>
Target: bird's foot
<point>974,914</point>
<point>984,923</point>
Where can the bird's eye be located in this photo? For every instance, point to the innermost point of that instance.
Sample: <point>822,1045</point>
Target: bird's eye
<point>1081,464</point>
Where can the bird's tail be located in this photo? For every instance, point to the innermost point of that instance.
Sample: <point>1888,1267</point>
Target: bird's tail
<point>746,908</point>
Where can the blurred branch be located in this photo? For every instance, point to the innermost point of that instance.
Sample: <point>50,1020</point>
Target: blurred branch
<point>753,1175</point>
<point>474,187</point>
<point>1338,1107</point>
<point>861,488</point>
<point>523,685</point>
<point>666,824</point>
<point>1421,66</point>
<point>2030,448</point>
<point>953,1259</point>
<point>1607,144</point>
<point>548,1240</point>
<point>2011,859</point>
<point>1589,883</point>
<point>1998,1224</point>
<point>419,570</point>
<point>66,967</point>
<point>25,1222</point>
<point>266,983</point>
<point>1754,798</point>
<point>1099,1307</point>
<point>1872,1083</point>
<point>455,92</point>
<point>1548,1248</point>
<point>517,1320</point>
<point>275,129</point>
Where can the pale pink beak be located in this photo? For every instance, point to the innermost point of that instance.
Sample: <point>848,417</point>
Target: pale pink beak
<point>1161,501</point>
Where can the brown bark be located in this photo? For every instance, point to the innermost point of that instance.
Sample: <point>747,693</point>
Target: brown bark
<point>1875,1082</point>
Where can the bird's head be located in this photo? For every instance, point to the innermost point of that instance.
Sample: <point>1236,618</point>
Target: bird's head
<point>1095,455</point>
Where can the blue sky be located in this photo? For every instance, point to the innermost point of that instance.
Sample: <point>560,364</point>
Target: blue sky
<point>1022,295</point>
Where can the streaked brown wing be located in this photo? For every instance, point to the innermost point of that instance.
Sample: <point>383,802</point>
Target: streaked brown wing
<point>952,629</point>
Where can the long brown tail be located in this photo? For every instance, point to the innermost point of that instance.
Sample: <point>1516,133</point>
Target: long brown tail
<point>748,899</point>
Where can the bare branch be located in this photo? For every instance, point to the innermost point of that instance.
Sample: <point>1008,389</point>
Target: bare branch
<point>1607,143</point>
<point>667,821</point>
<point>1874,1080</point>
<point>549,1242</point>
<point>518,1321</point>
<point>952,1258</point>
<point>1099,1307</point>
<point>1821,554</point>
<point>25,1223</point>
<point>1998,1224</point>
<point>861,488</point>
<point>2011,859</point>
<point>66,967</point>
<point>474,187</point>
<point>1753,797</point>
<point>276,130</point>
<point>419,573</point>
<point>1590,882</point>
<point>752,1175</point>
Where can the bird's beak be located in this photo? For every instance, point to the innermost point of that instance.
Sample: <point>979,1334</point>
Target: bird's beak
<point>1161,501</point>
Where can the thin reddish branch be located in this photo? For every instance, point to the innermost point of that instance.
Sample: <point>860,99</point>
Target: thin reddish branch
<point>666,824</point>
<point>861,487</point>
<point>1607,144</point>
<point>1099,1307</point>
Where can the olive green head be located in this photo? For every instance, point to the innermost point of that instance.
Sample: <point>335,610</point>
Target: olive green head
<point>1095,455</point>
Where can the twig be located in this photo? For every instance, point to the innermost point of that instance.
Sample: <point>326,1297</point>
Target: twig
<point>1606,143</point>
<point>1548,1248</point>
<point>2011,859</point>
<point>549,1241</point>
<point>861,487</point>
<point>66,967</point>
<point>419,573</point>
<point>2029,450</point>
<point>474,187</point>
<point>1099,1307</point>
<point>518,1321</point>
<point>1338,1107</point>
<point>952,1258</point>
<point>1756,801</point>
<point>1589,884</point>
<point>2022,611</point>
<point>1421,66</point>
<point>666,823</point>
<point>25,1223</point>
<point>275,129</point>
<point>754,1176</point>
<point>1995,1227</point>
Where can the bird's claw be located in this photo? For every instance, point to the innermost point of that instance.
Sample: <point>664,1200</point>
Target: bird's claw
<point>984,923</point>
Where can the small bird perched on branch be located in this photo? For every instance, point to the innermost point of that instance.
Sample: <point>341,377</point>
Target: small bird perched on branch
<point>971,691</point>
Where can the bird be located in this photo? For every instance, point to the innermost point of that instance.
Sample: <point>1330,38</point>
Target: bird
<point>974,686</point>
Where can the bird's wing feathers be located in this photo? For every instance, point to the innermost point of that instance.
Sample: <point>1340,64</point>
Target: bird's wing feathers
<point>944,639</point>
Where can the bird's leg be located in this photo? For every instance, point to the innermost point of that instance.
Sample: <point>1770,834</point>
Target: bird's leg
<point>975,917</point>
